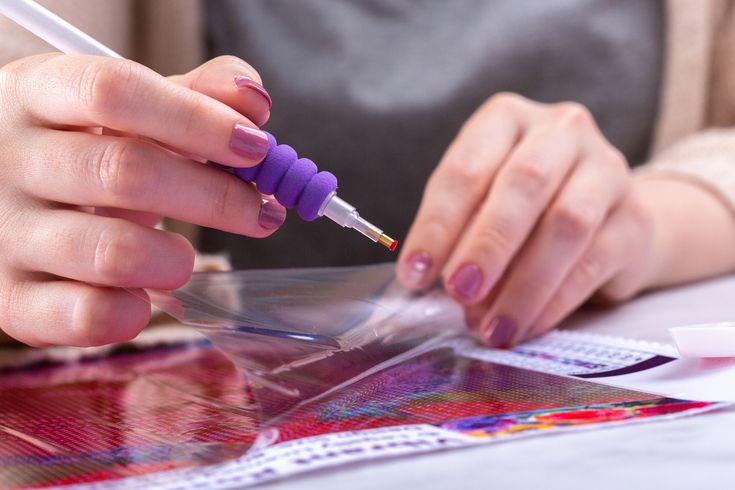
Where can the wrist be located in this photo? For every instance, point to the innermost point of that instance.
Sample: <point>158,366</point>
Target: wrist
<point>693,231</point>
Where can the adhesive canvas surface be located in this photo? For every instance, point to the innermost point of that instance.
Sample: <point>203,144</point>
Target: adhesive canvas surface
<point>121,421</point>
<point>315,368</point>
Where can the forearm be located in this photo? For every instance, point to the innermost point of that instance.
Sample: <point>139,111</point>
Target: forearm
<point>694,233</point>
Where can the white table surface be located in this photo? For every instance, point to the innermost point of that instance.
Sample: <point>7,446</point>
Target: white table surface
<point>691,453</point>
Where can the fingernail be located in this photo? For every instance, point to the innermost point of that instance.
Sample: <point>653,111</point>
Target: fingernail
<point>500,332</point>
<point>417,265</point>
<point>466,281</point>
<point>249,142</point>
<point>272,215</point>
<point>247,83</point>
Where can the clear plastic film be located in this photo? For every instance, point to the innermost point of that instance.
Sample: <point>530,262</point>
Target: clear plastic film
<point>329,366</point>
<point>299,333</point>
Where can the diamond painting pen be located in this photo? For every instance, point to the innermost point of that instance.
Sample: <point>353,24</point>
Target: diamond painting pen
<point>295,182</point>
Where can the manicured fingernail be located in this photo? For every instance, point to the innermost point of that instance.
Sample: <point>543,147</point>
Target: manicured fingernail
<point>466,281</point>
<point>249,142</point>
<point>417,265</point>
<point>500,332</point>
<point>247,83</point>
<point>272,215</point>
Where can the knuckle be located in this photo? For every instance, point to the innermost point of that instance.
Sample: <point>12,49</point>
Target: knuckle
<point>613,163</point>
<point>617,160</point>
<point>100,85</point>
<point>575,222</point>
<point>496,238</point>
<point>114,170</point>
<point>436,227</point>
<point>462,171</point>
<point>530,175</point>
<point>506,102</point>
<point>117,256</point>
<point>573,114</point>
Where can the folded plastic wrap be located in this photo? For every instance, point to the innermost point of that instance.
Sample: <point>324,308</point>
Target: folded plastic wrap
<point>329,366</point>
<point>298,333</point>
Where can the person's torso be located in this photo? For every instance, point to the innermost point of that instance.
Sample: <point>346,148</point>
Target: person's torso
<point>375,90</point>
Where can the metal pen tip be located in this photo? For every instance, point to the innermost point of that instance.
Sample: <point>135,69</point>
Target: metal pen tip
<point>388,242</point>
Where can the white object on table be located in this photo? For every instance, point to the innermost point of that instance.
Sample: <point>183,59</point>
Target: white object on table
<point>705,340</point>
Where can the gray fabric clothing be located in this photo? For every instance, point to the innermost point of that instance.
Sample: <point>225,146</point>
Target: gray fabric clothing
<point>375,90</point>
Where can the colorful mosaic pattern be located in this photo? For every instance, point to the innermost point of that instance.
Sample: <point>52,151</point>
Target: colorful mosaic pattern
<point>141,412</point>
<point>490,426</point>
<point>126,415</point>
<point>439,386</point>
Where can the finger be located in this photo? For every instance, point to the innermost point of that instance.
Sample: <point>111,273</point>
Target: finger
<point>458,185</point>
<point>72,313</point>
<point>140,217</point>
<point>104,171</point>
<point>106,251</point>
<point>521,191</point>
<point>125,96</point>
<point>233,82</point>
<point>563,234</point>
<point>476,314</point>
<point>608,254</point>
<point>123,134</point>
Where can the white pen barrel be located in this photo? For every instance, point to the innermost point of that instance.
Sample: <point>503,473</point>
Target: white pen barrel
<point>53,29</point>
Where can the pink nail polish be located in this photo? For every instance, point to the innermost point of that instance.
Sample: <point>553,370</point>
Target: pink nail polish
<point>272,215</point>
<point>466,281</point>
<point>247,83</point>
<point>249,142</point>
<point>416,267</point>
<point>500,332</point>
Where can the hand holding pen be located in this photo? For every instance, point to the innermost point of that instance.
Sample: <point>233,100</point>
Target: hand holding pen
<point>104,147</point>
<point>79,204</point>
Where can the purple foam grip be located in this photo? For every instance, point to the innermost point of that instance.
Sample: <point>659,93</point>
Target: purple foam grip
<point>294,181</point>
<point>315,193</point>
<point>279,159</point>
<point>248,174</point>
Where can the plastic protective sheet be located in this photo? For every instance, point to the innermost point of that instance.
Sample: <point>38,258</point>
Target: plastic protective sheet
<point>320,367</point>
<point>297,334</point>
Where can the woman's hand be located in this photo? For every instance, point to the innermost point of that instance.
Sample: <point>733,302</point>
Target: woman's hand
<point>529,213</point>
<point>93,151</point>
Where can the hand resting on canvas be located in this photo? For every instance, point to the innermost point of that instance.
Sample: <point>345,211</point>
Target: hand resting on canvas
<point>531,212</point>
